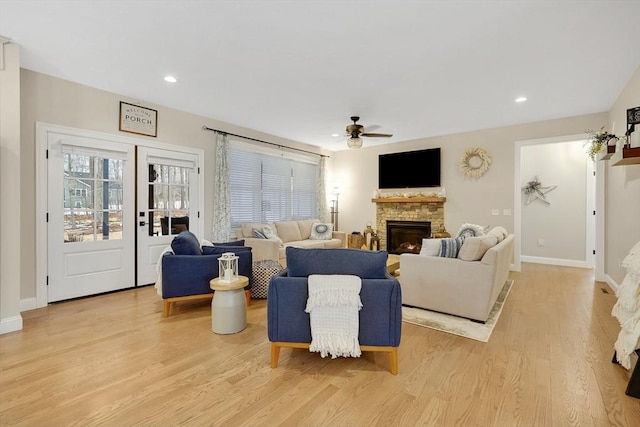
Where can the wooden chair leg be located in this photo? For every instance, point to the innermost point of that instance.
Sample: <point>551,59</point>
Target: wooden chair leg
<point>275,355</point>
<point>166,308</point>
<point>393,361</point>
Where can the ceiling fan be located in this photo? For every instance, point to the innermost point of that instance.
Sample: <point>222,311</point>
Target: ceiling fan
<point>355,132</point>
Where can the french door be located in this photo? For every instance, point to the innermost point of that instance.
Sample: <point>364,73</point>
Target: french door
<point>167,204</point>
<point>112,205</point>
<point>90,238</point>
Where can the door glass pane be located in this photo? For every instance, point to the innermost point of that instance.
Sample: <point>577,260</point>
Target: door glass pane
<point>169,189</point>
<point>92,186</point>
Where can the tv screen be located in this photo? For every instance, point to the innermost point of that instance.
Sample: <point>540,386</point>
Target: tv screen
<point>409,169</point>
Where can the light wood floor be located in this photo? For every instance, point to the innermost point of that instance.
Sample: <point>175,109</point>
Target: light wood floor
<point>113,360</point>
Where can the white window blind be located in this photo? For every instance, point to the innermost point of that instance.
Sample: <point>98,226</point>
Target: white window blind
<point>267,188</point>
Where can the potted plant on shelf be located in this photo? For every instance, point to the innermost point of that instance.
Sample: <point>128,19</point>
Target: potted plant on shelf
<point>598,140</point>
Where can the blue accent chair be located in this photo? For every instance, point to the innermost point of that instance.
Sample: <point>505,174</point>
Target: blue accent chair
<point>187,271</point>
<point>380,319</point>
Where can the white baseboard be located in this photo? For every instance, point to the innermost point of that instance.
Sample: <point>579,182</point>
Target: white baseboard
<point>555,261</point>
<point>11,324</point>
<point>612,283</point>
<point>28,304</point>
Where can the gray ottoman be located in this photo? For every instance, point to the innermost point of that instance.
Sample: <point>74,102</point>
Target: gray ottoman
<point>262,272</point>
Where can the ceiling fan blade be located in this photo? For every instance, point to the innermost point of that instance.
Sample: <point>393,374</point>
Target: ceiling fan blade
<point>371,128</point>
<point>376,135</point>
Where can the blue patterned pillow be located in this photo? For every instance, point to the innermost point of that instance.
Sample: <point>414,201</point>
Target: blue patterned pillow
<point>259,234</point>
<point>451,247</point>
<point>320,231</point>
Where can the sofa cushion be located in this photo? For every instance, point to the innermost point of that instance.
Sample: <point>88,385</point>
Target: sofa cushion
<point>450,247</point>
<point>219,250</point>
<point>305,228</point>
<point>364,264</point>
<point>431,247</point>
<point>186,243</point>
<point>472,230</point>
<point>321,231</point>
<point>474,248</point>
<point>288,231</point>
<point>306,244</point>
<point>500,232</point>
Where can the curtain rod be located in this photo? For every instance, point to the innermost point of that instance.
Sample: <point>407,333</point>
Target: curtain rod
<point>264,142</point>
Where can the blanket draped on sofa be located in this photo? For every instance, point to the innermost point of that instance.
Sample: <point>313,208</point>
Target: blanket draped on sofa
<point>333,305</point>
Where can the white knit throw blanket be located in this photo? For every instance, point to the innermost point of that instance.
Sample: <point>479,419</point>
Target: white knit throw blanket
<point>627,308</point>
<point>333,305</point>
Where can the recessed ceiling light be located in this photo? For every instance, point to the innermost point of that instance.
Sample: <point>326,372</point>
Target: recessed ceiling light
<point>170,79</point>
<point>335,135</point>
<point>521,99</point>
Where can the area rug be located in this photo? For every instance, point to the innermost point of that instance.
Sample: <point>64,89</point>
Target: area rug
<point>458,325</point>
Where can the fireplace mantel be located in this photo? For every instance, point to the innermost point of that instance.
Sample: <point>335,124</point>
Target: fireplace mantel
<point>409,200</point>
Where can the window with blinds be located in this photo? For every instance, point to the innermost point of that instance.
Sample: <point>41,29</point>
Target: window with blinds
<point>267,188</point>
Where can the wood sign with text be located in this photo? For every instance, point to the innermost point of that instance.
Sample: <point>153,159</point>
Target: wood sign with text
<point>137,119</point>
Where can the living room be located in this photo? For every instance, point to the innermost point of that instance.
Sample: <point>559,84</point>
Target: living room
<point>41,98</point>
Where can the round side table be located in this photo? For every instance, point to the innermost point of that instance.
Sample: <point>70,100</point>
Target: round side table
<point>228,306</point>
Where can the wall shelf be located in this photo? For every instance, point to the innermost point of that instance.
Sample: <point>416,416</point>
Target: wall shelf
<point>626,156</point>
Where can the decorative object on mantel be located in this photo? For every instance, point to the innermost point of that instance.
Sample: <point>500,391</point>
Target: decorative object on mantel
<point>474,163</point>
<point>442,233</point>
<point>534,190</point>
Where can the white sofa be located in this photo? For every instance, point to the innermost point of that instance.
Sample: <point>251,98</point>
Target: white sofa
<point>292,233</point>
<point>455,286</point>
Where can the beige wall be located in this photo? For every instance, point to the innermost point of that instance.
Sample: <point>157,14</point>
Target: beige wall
<point>10,215</point>
<point>50,100</point>
<point>467,200</point>
<point>55,101</point>
<point>622,228</point>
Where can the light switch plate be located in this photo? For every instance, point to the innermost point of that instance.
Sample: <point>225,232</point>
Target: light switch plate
<point>506,212</point>
<point>495,211</point>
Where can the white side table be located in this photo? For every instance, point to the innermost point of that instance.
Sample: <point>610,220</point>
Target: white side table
<point>228,306</point>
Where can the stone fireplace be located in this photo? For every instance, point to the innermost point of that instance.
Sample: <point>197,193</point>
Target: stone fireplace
<point>425,209</point>
<point>406,236</point>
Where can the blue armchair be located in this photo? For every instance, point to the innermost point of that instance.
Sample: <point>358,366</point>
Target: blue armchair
<point>187,271</point>
<point>380,319</point>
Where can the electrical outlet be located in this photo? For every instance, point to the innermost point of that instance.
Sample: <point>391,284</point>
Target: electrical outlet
<point>540,242</point>
<point>495,211</point>
<point>506,212</point>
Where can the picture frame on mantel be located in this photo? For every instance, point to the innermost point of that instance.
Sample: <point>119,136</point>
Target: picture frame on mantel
<point>137,119</point>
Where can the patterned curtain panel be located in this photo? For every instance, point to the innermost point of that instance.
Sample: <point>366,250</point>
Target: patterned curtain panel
<point>221,226</point>
<point>321,191</point>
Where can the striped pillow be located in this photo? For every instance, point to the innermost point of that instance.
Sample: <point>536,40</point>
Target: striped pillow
<point>450,248</point>
<point>259,234</point>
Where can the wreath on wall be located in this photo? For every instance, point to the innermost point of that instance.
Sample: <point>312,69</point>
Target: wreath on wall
<point>475,162</point>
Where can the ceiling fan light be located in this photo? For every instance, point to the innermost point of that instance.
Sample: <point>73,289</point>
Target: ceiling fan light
<point>354,142</point>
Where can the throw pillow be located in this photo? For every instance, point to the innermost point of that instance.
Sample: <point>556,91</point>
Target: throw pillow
<point>430,247</point>
<point>451,247</point>
<point>472,230</point>
<point>259,234</point>
<point>186,243</point>
<point>219,250</point>
<point>271,234</point>
<point>474,248</point>
<point>321,231</point>
<point>500,232</point>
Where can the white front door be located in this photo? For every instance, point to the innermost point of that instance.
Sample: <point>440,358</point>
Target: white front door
<point>167,204</point>
<point>90,228</point>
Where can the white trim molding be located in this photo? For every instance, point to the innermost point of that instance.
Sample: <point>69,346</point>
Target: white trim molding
<point>555,261</point>
<point>10,324</point>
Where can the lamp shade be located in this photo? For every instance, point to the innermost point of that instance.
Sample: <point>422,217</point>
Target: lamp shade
<point>354,142</point>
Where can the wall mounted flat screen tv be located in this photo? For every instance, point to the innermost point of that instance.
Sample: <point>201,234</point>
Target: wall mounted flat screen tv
<point>409,169</point>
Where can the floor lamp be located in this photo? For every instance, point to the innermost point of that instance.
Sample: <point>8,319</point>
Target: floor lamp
<point>334,211</point>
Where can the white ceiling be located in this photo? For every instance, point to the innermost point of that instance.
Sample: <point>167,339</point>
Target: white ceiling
<point>300,69</point>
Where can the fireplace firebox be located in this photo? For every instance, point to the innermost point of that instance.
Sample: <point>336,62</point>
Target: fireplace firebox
<point>406,236</point>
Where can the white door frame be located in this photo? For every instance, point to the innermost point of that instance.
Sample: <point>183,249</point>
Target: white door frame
<point>517,202</point>
<point>42,134</point>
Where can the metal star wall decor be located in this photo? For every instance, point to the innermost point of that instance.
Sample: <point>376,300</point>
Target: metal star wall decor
<point>534,190</point>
